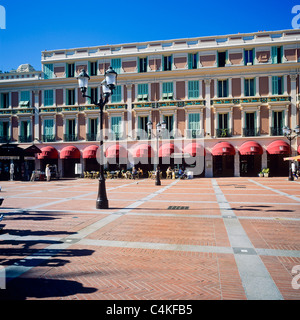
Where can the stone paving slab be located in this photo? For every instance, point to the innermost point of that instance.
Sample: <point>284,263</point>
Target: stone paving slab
<point>238,239</point>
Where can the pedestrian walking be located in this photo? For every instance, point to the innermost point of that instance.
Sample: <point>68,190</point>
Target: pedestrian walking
<point>48,172</point>
<point>12,171</point>
<point>294,172</point>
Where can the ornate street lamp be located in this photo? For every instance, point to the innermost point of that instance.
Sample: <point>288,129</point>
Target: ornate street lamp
<point>291,134</point>
<point>160,128</point>
<point>108,85</point>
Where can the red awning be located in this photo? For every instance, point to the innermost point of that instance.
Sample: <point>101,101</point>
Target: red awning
<point>48,153</point>
<point>166,150</point>
<point>278,147</point>
<point>223,149</point>
<point>70,152</point>
<point>298,149</point>
<point>195,149</point>
<point>116,151</point>
<point>250,148</point>
<point>90,152</point>
<point>143,151</point>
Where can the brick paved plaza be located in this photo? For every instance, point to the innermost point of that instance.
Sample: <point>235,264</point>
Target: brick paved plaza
<point>238,239</point>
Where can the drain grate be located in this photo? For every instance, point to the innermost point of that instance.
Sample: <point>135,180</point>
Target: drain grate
<point>178,208</point>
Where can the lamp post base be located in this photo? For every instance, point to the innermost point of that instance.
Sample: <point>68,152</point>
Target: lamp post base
<point>102,201</point>
<point>101,204</point>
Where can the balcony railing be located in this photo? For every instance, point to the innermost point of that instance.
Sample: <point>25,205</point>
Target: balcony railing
<point>49,138</point>
<point>92,137</point>
<point>4,139</point>
<point>251,132</point>
<point>25,138</point>
<point>222,133</point>
<point>275,131</point>
<point>194,133</point>
<point>70,137</point>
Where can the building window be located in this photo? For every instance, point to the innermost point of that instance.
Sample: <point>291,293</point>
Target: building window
<point>249,87</point>
<point>167,91</point>
<point>222,57</point>
<point>143,64</point>
<point>24,99</point>
<point>143,92</point>
<point>4,100</point>
<point>93,129</point>
<point>192,60</point>
<point>48,134</point>
<point>116,128</point>
<point>194,125</point>
<point>70,70</point>
<point>70,131</point>
<point>93,92</point>
<point>249,57</point>
<point>70,97</point>
<point>4,132</point>
<point>169,119</point>
<point>142,127</point>
<point>48,71</point>
<point>250,124</point>
<point>116,65</point>
<point>277,54</point>
<point>167,63</point>
<point>193,89</point>
<point>223,129</point>
<point>222,88</point>
<point>278,119</point>
<point>277,85</point>
<point>93,68</point>
<point>25,131</point>
<point>48,98</point>
<point>117,95</point>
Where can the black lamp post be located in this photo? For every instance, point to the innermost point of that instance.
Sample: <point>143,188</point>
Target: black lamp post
<point>108,85</point>
<point>291,134</point>
<point>160,128</point>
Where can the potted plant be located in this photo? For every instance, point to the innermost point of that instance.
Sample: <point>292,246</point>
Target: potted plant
<point>261,174</point>
<point>265,171</point>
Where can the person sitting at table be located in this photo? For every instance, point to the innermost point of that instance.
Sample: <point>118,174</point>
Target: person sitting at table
<point>134,172</point>
<point>140,173</point>
<point>169,172</point>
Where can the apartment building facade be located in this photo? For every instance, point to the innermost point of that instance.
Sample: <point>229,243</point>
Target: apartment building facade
<point>223,98</point>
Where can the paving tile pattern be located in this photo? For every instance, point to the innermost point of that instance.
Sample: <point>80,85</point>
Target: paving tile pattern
<point>56,245</point>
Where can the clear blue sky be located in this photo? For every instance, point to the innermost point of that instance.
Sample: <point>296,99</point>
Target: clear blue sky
<point>33,26</point>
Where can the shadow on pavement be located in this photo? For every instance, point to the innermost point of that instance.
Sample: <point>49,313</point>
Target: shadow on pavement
<point>24,288</point>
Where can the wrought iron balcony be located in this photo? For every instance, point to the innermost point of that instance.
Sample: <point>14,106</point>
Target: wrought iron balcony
<point>251,132</point>
<point>70,137</point>
<point>222,133</point>
<point>275,131</point>
<point>49,138</point>
<point>5,139</point>
<point>92,137</point>
<point>25,138</point>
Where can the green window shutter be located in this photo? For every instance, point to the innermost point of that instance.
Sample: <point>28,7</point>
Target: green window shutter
<point>253,55</point>
<point>193,89</point>
<point>116,65</point>
<point>254,86</point>
<point>227,58</point>
<point>116,97</point>
<point>1,130</point>
<point>190,61</point>
<point>48,71</point>
<point>116,124</point>
<point>275,85</point>
<point>274,55</point>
